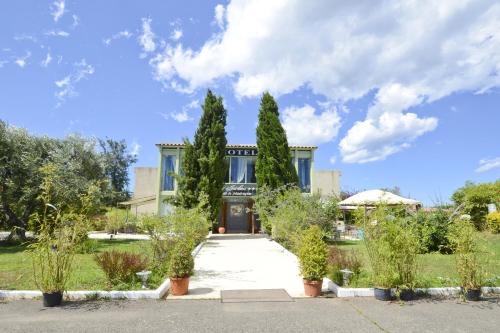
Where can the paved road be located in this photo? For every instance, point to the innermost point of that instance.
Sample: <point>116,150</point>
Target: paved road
<point>303,315</point>
<point>228,262</point>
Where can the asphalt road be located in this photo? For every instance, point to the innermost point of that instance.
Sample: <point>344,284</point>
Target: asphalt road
<point>302,315</point>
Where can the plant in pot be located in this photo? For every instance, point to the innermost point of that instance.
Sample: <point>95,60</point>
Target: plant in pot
<point>313,255</point>
<point>180,268</point>
<point>56,243</point>
<point>463,238</point>
<point>378,230</point>
<point>405,246</point>
<point>222,230</point>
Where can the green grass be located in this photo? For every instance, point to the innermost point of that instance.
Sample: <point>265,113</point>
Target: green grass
<point>16,270</point>
<point>435,270</point>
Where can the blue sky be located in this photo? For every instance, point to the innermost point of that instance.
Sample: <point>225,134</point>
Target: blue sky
<point>396,95</point>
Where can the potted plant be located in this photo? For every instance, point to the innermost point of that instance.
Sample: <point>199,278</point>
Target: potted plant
<point>180,268</point>
<point>313,254</point>
<point>378,231</point>
<point>405,246</point>
<point>58,237</point>
<point>463,238</point>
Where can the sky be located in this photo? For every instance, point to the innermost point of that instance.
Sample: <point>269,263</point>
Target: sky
<point>393,93</point>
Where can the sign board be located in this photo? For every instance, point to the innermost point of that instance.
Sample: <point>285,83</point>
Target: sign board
<point>239,190</point>
<point>241,152</point>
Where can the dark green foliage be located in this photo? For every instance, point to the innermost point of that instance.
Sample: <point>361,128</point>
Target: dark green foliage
<point>204,162</point>
<point>116,161</point>
<point>274,167</point>
<point>433,230</point>
<point>475,198</point>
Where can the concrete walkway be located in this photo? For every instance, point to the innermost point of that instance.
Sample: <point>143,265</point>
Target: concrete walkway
<point>240,261</point>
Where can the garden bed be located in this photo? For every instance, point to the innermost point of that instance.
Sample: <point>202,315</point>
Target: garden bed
<point>436,270</point>
<point>95,293</point>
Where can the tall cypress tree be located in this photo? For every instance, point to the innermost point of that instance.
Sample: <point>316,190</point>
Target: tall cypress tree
<point>204,162</point>
<point>274,166</point>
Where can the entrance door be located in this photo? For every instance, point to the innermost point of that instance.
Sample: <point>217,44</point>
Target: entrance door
<point>237,217</point>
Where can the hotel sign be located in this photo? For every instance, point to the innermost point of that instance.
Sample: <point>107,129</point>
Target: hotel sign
<point>241,152</point>
<point>239,190</point>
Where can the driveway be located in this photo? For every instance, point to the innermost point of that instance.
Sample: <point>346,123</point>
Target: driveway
<point>303,315</point>
<point>240,261</point>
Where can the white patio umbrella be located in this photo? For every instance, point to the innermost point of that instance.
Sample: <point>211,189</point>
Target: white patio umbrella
<point>376,197</point>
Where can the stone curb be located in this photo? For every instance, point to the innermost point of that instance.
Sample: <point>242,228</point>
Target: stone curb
<point>158,293</point>
<point>369,292</point>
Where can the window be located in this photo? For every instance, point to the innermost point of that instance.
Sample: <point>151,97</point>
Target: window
<point>242,170</point>
<point>168,168</point>
<point>304,174</point>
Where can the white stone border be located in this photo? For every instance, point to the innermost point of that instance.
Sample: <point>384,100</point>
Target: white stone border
<point>88,294</point>
<point>369,292</point>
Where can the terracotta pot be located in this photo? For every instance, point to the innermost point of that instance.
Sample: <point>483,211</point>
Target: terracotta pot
<point>179,286</point>
<point>312,288</point>
<point>222,230</point>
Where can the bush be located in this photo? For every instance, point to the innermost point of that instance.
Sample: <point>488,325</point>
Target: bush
<point>493,220</point>
<point>475,198</point>
<point>433,230</point>
<point>313,254</point>
<point>378,233</point>
<point>120,220</point>
<point>464,241</point>
<point>339,259</point>
<point>120,266</point>
<point>87,246</point>
<point>181,263</point>
<point>286,213</point>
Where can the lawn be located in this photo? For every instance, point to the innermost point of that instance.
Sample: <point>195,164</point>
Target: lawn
<point>16,267</point>
<point>436,270</point>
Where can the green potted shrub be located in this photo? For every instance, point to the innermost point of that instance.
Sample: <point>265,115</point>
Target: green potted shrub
<point>313,255</point>
<point>405,247</point>
<point>180,268</point>
<point>463,238</point>
<point>378,232</point>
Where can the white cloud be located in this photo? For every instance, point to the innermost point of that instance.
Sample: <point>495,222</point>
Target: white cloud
<point>219,15</point>
<point>183,115</point>
<point>488,164</point>
<point>425,50</point>
<point>3,62</point>
<point>57,33</point>
<point>66,86</point>
<point>136,148</point>
<point>57,9</point>
<point>47,60</point>
<point>122,34</point>
<point>176,34</point>
<point>76,21</point>
<point>304,126</point>
<point>22,61</point>
<point>333,160</point>
<point>147,38</point>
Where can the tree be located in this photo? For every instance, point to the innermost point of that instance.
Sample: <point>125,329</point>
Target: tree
<point>274,167</point>
<point>116,162</point>
<point>475,198</point>
<point>204,162</point>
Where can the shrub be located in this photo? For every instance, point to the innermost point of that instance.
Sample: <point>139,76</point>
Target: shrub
<point>286,213</point>
<point>378,233</point>
<point>475,198</point>
<point>120,220</point>
<point>313,254</point>
<point>87,246</point>
<point>405,247</point>
<point>463,239</point>
<point>433,230</point>
<point>181,263</point>
<point>339,259</point>
<point>120,266</point>
<point>493,220</point>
